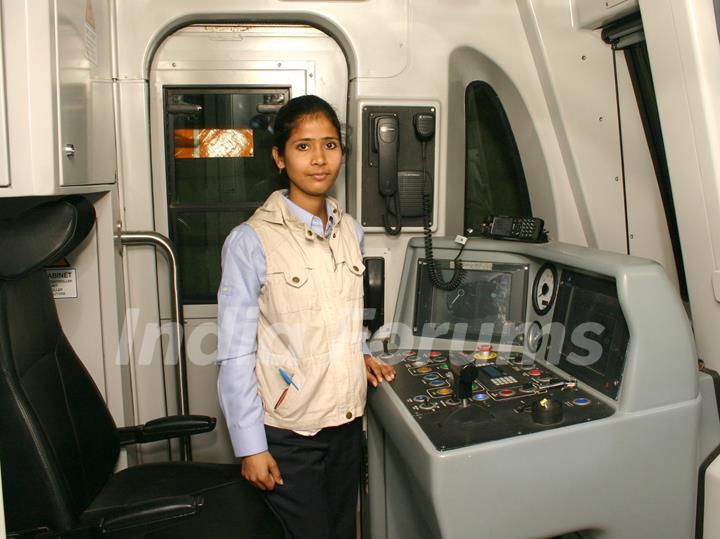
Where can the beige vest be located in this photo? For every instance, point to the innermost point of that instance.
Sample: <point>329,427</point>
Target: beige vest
<point>310,320</point>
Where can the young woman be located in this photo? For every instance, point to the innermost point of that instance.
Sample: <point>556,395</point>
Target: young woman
<point>293,363</point>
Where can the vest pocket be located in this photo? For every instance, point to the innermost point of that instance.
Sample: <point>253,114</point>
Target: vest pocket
<point>289,291</point>
<point>351,275</point>
<point>280,398</point>
<point>302,408</point>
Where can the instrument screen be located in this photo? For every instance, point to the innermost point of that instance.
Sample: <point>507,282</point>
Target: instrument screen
<point>595,332</point>
<point>489,302</point>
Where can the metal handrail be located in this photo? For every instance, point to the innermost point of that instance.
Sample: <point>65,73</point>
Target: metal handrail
<point>166,245</point>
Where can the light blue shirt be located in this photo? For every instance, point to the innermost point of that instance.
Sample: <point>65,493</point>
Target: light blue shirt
<point>244,269</point>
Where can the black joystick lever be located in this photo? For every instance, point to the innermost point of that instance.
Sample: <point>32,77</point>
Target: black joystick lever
<point>464,376</point>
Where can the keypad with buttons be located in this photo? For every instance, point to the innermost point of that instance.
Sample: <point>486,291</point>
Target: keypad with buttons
<point>504,380</point>
<point>524,228</point>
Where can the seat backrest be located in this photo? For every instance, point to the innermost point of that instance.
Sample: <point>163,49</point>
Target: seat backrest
<point>58,442</point>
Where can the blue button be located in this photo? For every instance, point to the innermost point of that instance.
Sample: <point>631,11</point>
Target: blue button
<point>436,383</point>
<point>480,396</point>
<point>581,401</point>
<point>431,376</point>
<point>420,398</point>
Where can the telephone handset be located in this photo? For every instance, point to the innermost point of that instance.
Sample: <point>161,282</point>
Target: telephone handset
<point>386,145</point>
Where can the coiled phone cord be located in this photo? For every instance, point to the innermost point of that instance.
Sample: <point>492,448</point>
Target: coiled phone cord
<point>434,273</point>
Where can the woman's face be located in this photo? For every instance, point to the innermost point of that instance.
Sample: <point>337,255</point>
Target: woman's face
<point>312,155</point>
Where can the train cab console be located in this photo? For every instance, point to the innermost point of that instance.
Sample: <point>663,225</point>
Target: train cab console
<point>555,391</point>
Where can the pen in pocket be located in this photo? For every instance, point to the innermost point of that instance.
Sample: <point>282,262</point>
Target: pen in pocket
<point>288,379</point>
<point>282,398</point>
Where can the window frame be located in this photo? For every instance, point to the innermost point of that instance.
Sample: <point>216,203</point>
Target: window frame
<point>482,91</point>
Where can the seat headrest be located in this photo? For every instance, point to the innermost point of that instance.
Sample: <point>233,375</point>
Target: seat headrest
<point>43,234</point>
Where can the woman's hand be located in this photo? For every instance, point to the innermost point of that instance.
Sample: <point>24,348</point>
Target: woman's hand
<point>261,471</point>
<point>378,370</point>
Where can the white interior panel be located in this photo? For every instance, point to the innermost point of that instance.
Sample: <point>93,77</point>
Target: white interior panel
<point>647,226</point>
<point>85,100</point>
<point>4,165</point>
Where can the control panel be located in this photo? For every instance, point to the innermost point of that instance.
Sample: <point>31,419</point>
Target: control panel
<point>555,378</point>
<point>509,395</point>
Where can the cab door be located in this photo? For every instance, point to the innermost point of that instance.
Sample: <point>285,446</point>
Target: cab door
<point>213,93</point>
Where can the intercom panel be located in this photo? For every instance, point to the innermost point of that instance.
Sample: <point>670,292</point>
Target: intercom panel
<point>398,163</point>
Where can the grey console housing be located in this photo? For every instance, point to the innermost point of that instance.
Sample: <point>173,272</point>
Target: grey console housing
<point>631,475</point>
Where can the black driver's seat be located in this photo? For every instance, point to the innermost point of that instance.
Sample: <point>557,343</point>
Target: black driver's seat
<point>59,444</point>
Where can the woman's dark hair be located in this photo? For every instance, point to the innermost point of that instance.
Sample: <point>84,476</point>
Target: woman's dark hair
<point>288,116</point>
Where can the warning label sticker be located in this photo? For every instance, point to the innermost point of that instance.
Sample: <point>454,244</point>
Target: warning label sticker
<point>63,282</point>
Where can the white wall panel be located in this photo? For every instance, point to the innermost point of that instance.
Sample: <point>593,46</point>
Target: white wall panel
<point>4,165</point>
<point>143,24</point>
<point>28,41</point>
<point>576,71</point>
<point>648,233</point>
<point>57,88</point>
<point>685,58</point>
<point>143,315</point>
<point>593,14</point>
<point>84,101</point>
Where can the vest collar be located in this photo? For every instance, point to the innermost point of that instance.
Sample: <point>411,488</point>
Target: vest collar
<point>275,210</point>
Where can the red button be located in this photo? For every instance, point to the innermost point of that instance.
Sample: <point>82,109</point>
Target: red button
<point>535,372</point>
<point>485,348</point>
<point>506,392</point>
<point>434,354</point>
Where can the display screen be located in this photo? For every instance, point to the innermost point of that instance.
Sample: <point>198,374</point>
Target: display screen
<point>487,305</point>
<point>492,372</point>
<point>502,226</point>
<point>595,332</point>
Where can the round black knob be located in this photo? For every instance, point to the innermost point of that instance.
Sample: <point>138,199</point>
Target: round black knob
<point>547,411</point>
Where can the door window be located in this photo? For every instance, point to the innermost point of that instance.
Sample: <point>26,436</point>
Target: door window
<point>219,170</point>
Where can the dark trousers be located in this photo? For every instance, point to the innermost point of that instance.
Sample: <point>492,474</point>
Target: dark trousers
<point>320,474</point>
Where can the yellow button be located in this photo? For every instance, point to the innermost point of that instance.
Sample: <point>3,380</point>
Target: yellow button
<point>349,415</point>
<point>356,268</point>
<point>296,280</point>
